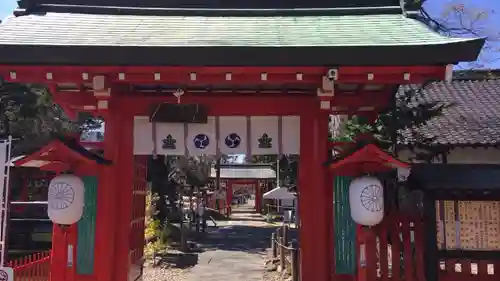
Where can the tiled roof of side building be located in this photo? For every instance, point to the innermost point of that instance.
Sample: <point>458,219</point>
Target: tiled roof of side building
<point>473,119</point>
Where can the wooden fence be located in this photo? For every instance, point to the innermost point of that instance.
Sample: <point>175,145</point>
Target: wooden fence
<point>287,251</point>
<point>35,267</point>
<point>392,250</point>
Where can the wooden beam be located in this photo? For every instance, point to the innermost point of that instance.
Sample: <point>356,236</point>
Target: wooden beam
<point>225,105</point>
<point>180,75</point>
<point>229,102</point>
<point>363,99</point>
<point>74,98</point>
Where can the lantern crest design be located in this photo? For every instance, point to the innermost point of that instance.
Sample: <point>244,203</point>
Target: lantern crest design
<point>63,195</point>
<point>66,199</point>
<point>366,200</point>
<point>371,198</point>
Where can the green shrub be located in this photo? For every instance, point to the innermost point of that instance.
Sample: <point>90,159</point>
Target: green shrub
<point>155,233</point>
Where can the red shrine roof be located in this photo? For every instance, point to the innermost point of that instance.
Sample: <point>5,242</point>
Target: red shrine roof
<point>62,155</point>
<point>369,159</point>
<point>55,33</point>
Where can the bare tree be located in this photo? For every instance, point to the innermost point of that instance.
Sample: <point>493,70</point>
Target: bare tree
<point>466,18</point>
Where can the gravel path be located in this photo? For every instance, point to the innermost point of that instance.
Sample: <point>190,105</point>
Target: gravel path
<point>164,274</point>
<point>236,250</point>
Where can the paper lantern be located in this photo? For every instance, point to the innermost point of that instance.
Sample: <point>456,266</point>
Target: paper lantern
<point>66,199</point>
<point>366,199</point>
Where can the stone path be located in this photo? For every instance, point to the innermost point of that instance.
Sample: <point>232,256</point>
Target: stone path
<point>234,251</point>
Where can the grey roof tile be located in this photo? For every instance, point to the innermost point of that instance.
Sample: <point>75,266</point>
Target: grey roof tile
<point>474,117</point>
<point>179,31</point>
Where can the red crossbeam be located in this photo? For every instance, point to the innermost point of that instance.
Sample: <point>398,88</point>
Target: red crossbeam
<point>221,75</point>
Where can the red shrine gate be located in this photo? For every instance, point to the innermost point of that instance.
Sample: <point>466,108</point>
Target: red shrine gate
<point>293,61</point>
<point>243,179</point>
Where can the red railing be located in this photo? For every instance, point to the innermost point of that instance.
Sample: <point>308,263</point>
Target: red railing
<point>34,267</point>
<point>392,250</point>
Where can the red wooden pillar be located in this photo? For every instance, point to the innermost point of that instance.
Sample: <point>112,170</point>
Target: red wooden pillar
<point>59,252</point>
<point>110,216</point>
<point>63,240</point>
<point>229,196</point>
<point>329,190</point>
<point>314,200</point>
<point>58,258</point>
<point>124,171</point>
<point>258,197</point>
<point>59,255</point>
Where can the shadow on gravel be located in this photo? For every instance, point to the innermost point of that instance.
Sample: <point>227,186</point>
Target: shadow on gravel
<point>255,219</point>
<point>177,260</point>
<point>239,238</point>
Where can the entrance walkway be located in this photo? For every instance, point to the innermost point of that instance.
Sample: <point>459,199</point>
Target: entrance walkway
<point>234,251</point>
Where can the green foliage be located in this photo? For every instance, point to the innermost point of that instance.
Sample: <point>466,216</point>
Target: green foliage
<point>354,127</point>
<point>169,174</point>
<point>410,113</point>
<point>288,166</point>
<point>152,225</point>
<point>194,171</point>
<point>270,218</point>
<point>153,228</point>
<point>155,232</point>
<point>397,123</point>
<point>28,113</point>
<point>153,248</point>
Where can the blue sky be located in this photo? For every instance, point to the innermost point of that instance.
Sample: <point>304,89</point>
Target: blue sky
<point>6,7</point>
<point>437,8</point>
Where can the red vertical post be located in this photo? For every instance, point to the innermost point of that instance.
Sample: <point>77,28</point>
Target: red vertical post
<point>229,196</point>
<point>107,193</point>
<point>329,190</point>
<point>124,168</point>
<point>59,255</point>
<point>64,239</point>
<point>314,200</point>
<point>72,240</point>
<point>258,197</point>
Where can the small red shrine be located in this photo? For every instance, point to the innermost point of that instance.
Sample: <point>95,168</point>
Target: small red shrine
<point>242,179</point>
<point>294,61</point>
<point>64,155</point>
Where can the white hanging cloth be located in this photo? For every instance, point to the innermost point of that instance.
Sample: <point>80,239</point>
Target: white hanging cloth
<point>230,135</point>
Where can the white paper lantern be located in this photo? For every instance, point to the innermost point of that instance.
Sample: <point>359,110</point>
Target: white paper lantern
<point>66,199</point>
<point>366,199</point>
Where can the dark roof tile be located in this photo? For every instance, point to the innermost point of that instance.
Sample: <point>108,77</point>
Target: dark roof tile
<point>473,118</point>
